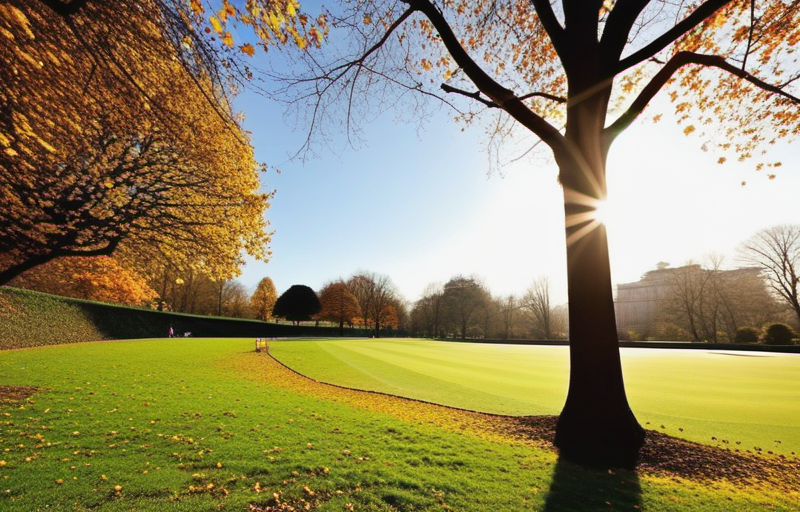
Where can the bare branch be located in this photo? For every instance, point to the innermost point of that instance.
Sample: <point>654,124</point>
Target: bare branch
<point>474,95</point>
<point>486,84</point>
<point>750,35</point>
<point>550,22</point>
<point>491,104</point>
<point>681,28</point>
<point>619,24</point>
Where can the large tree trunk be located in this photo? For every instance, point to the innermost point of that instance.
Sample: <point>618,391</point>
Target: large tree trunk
<point>596,426</point>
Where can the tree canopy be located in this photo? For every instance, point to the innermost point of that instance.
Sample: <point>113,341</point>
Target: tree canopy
<point>299,303</point>
<point>91,163</point>
<point>338,304</point>
<point>263,299</point>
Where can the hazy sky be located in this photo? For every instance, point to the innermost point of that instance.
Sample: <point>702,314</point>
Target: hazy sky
<point>420,206</point>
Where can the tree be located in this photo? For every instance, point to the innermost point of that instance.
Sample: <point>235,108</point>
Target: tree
<point>428,312</point>
<point>236,302</point>
<point>779,334</point>
<point>777,251</point>
<point>465,299</point>
<point>338,304</point>
<point>537,302</point>
<point>95,278</point>
<point>374,292</point>
<point>507,308</point>
<point>298,304</point>
<point>91,165</point>
<point>263,299</point>
<point>575,75</point>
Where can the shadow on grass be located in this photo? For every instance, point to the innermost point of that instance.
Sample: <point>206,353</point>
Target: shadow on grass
<point>578,489</point>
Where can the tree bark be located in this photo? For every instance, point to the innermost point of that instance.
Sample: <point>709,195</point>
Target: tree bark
<point>596,426</point>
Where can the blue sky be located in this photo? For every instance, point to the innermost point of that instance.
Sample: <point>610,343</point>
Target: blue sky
<point>419,204</point>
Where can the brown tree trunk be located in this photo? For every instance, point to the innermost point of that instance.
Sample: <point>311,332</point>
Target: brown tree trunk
<point>596,426</point>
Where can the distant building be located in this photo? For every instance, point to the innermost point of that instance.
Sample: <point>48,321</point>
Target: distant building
<point>638,303</point>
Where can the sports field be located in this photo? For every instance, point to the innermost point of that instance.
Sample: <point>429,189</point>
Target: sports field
<point>745,400</point>
<point>200,424</point>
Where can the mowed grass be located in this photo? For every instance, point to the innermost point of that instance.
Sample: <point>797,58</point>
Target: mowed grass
<point>745,400</point>
<point>207,424</point>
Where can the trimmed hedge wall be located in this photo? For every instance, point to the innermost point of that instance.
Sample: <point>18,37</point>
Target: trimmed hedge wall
<point>29,318</point>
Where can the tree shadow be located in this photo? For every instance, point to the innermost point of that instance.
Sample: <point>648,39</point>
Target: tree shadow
<point>576,488</point>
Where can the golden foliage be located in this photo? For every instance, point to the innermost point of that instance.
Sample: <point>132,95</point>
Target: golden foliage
<point>263,299</point>
<point>97,278</point>
<point>522,50</point>
<point>99,151</point>
<point>338,304</point>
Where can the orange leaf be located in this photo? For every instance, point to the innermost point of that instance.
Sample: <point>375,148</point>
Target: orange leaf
<point>248,49</point>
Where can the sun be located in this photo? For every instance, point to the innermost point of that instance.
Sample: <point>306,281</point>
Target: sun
<point>603,212</point>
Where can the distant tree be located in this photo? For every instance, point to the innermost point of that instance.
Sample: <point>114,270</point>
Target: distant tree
<point>99,278</point>
<point>374,292</point>
<point>263,299</point>
<point>746,335</point>
<point>507,307</point>
<point>389,318</point>
<point>427,314</point>
<point>465,301</point>
<point>777,251</point>
<point>299,303</point>
<point>338,304</point>
<point>236,300</point>
<point>690,301</point>
<point>536,302</point>
<point>779,334</point>
<point>711,304</point>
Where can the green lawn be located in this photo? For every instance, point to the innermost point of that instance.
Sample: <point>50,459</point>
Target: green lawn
<point>197,425</point>
<point>713,397</point>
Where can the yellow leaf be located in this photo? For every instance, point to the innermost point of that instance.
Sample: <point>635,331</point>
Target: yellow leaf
<point>426,64</point>
<point>216,24</point>
<point>248,49</point>
<point>228,39</point>
<point>688,130</point>
<point>290,10</point>
<point>367,20</point>
<point>197,7</point>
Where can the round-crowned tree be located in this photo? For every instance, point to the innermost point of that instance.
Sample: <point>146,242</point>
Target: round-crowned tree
<point>299,303</point>
<point>779,334</point>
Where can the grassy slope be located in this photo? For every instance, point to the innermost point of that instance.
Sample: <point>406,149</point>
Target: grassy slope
<point>752,398</point>
<point>195,424</point>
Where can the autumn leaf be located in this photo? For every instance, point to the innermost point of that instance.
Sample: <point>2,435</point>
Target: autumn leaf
<point>426,64</point>
<point>367,20</point>
<point>248,49</point>
<point>197,7</point>
<point>216,24</point>
<point>228,39</point>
